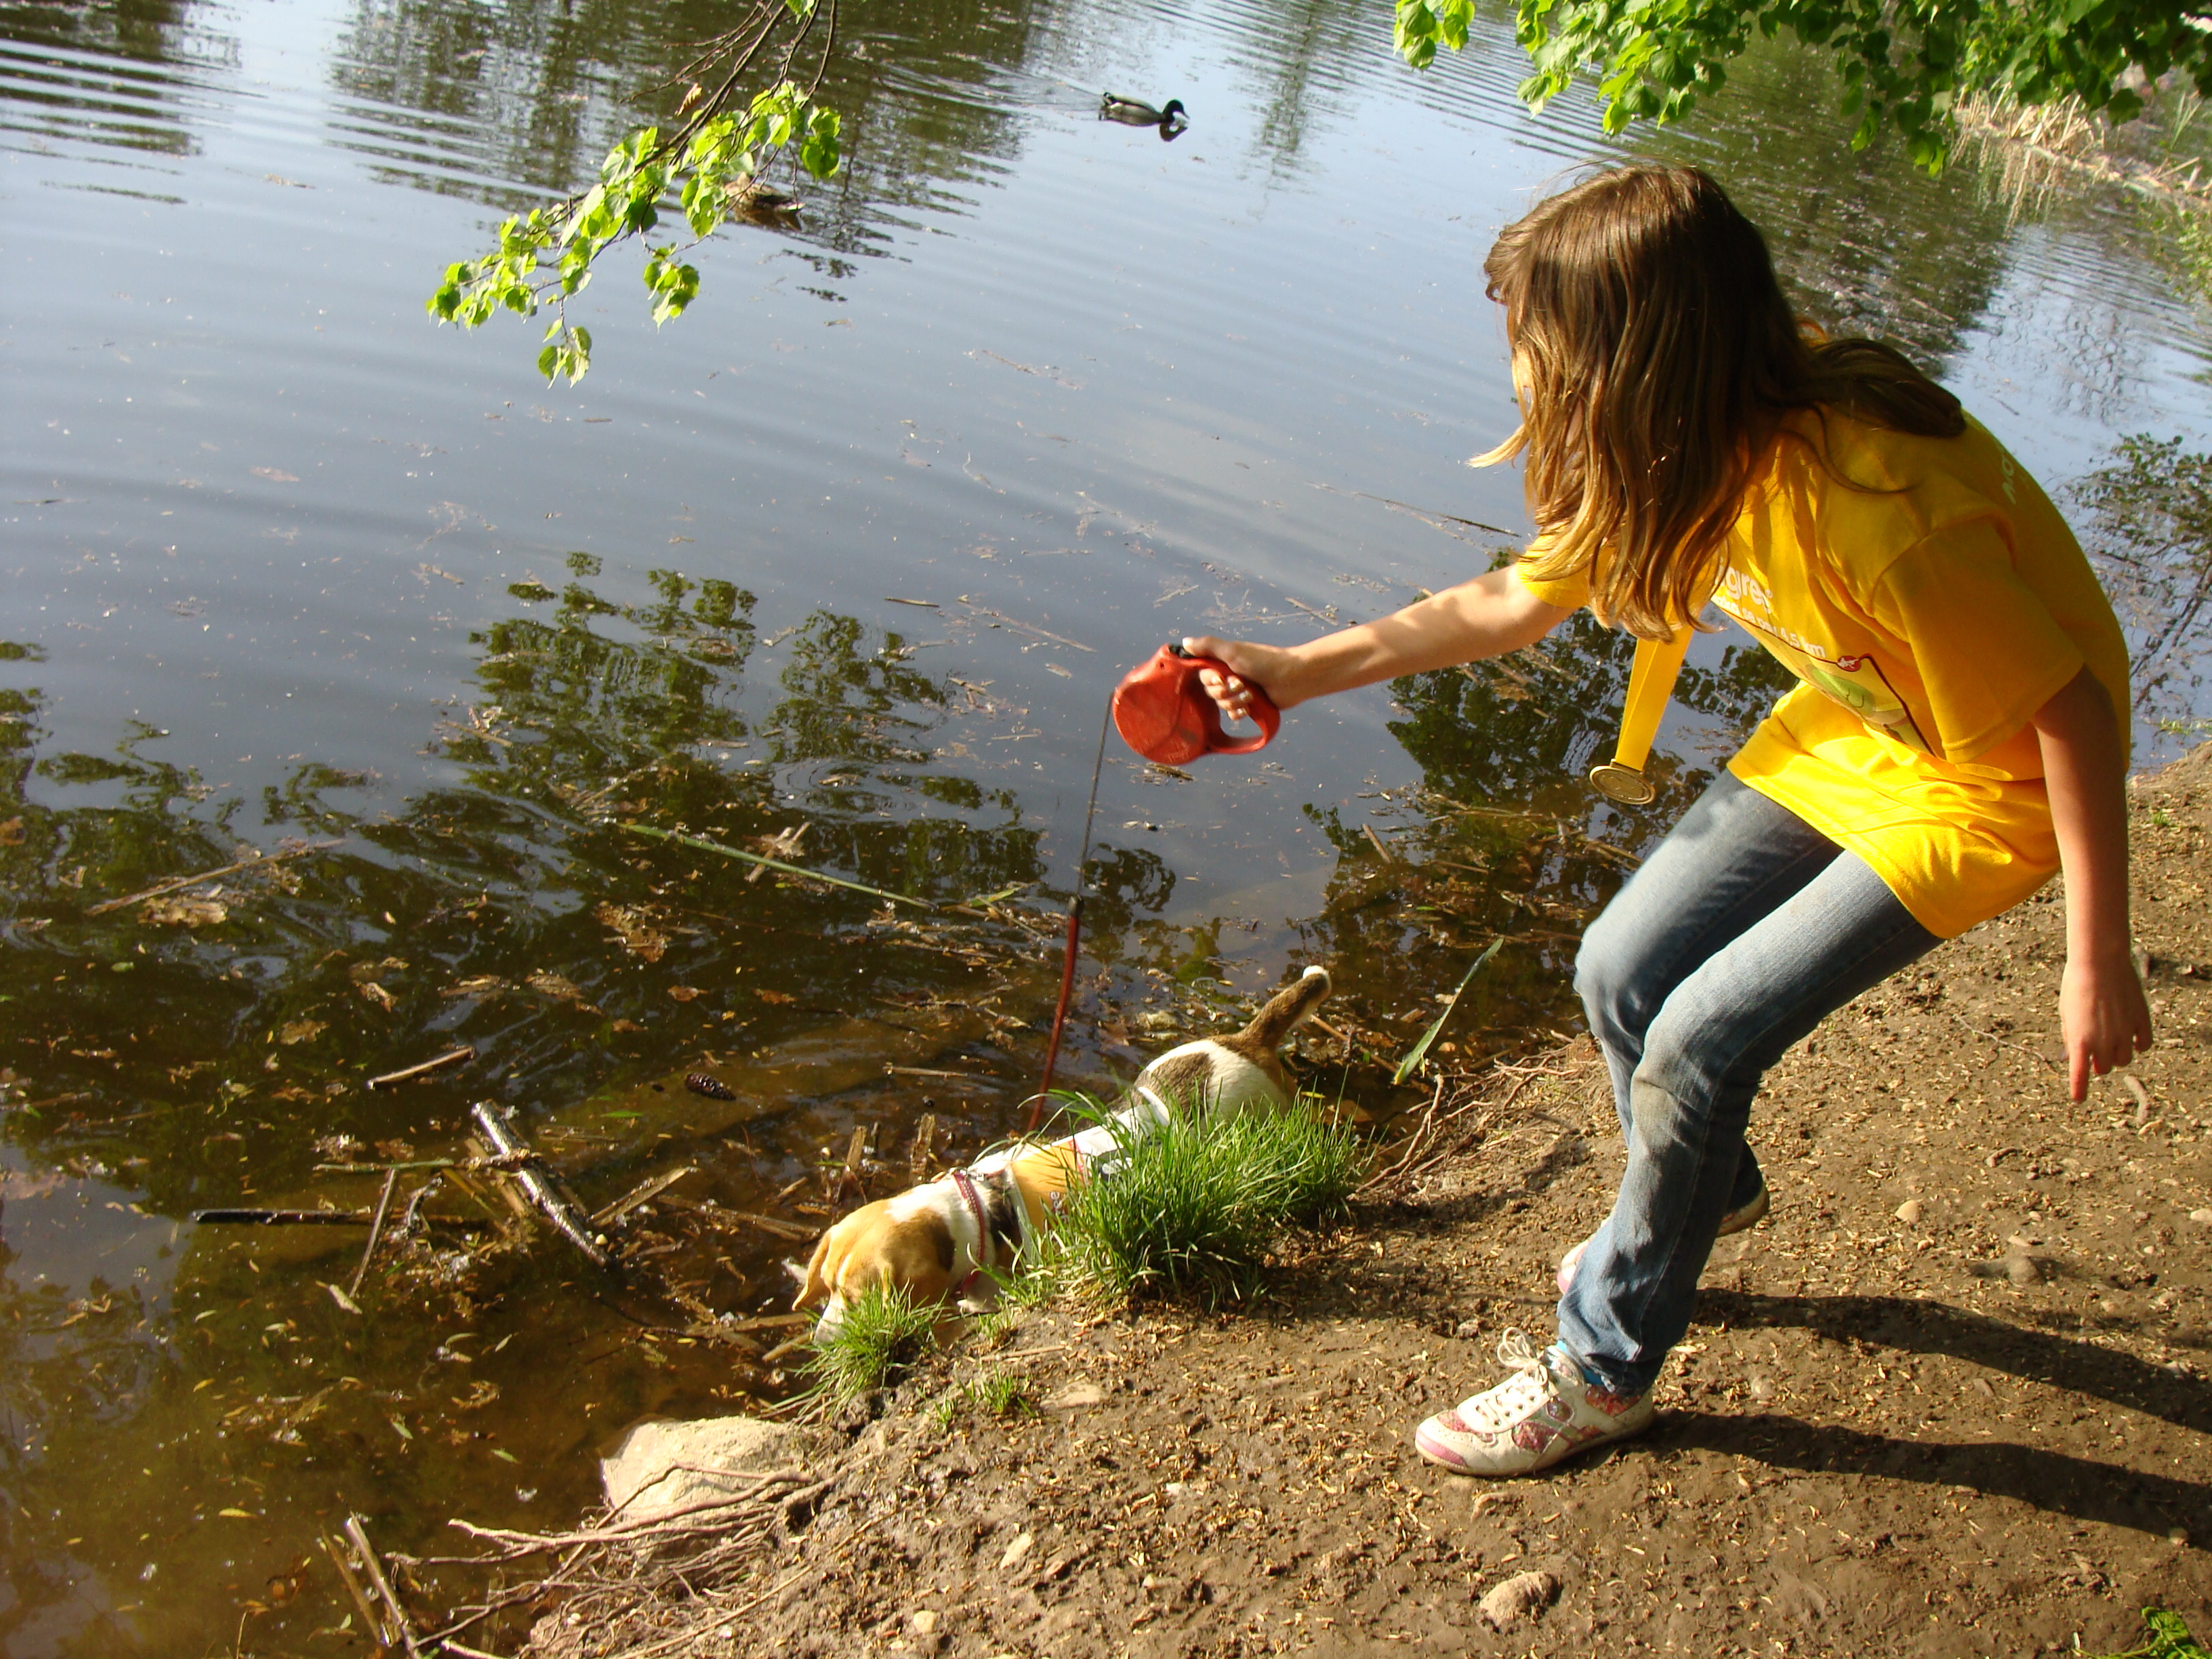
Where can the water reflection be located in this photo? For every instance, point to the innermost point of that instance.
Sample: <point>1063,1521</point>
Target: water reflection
<point>130,74</point>
<point>218,1059</point>
<point>459,100</point>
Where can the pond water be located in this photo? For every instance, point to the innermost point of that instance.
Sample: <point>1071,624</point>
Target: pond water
<point>848,557</point>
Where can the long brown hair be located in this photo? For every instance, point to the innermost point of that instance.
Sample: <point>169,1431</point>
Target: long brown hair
<point>1662,357</point>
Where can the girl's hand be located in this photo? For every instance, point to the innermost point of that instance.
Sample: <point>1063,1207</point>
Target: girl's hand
<point>2103,1014</point>
<point>1269,669</point>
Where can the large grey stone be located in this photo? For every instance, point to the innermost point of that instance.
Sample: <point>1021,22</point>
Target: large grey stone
<point>662,1466</point>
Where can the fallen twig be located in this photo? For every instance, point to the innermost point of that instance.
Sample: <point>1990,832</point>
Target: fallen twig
<point>371,1622</point>
<point>375,1232</point>
<point>2002,1042</point>
<point>312,1219</point>
<point>768,1224</point>
<point>541,1185</point>
<point>1026,628</point>
<point>403,1626</point>
<point>706,846</point>
<point>747,1606</point>
<point>613,1529</point>
<point>644,1192</point>
<point>465,1052</point>
<point>177,882</point>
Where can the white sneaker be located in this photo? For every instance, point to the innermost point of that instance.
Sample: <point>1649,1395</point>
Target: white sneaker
<point>1544,1412</point>
<point>1749,1214</point>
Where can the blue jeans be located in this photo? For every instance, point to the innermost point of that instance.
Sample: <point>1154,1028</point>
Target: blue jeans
<point>1744,929</point>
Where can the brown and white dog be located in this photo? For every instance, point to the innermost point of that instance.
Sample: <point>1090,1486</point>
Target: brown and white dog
<point>947,1236</point>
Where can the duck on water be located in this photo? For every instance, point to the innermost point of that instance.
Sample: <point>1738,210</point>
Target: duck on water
<point>1135,113</point>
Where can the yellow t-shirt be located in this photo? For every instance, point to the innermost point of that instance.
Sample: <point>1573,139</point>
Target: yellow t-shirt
<point>1928,612</point>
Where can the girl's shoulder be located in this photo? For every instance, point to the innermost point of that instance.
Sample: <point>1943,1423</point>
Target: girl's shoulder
<point>1849,464</point>
<point>1862,495</point>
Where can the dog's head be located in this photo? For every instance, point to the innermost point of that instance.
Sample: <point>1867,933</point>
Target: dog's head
<point>1243,1070</point>
<point>902,1243</point>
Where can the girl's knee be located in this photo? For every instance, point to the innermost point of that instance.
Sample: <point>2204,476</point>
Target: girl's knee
<point>1608,976</point>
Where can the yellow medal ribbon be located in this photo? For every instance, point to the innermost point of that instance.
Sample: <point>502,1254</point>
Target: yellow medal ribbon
<point>1651,684</point>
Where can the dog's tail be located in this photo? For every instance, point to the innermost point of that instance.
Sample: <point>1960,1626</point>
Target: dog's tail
<point>1287,1010</point>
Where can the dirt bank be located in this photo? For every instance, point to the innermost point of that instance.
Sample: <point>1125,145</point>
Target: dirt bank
<point>1951,1398</point>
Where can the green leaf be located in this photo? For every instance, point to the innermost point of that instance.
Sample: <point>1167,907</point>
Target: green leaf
<point>1412,1063</point>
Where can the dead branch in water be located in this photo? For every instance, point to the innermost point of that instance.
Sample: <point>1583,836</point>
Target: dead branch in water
<point>543,1187</point>
<point>375,1233</point>
<point>319,1219</point>
<point>449,1057</point>
<point>400,1623</point>
<point>160,888</point>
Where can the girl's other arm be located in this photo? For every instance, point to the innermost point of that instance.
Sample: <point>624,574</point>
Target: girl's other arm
<point>1486,618</point>
<point>2102,1009</point>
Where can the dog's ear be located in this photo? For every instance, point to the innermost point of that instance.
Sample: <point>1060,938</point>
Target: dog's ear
<point>816,1288</point>
<point>1287,1010</point>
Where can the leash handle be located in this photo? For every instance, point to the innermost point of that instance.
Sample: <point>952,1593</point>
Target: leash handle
<point>1162,711</point>
<point>1651,684</point>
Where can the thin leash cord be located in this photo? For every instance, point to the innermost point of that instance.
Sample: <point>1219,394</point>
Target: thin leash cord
<point>1075,930</point>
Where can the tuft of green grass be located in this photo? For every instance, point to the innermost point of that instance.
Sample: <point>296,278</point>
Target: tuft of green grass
<point>1025,1288</point>
<point>883,1329</point>
<point>2169,1639</point>
<point>1197,1203</point>
<point>998,1394</point>
<point>1006,1393</point>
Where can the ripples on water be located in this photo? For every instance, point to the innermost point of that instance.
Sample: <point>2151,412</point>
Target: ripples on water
<point>289,564</point>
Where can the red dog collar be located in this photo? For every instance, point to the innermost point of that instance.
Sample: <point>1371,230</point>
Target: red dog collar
<point>965,1184</point>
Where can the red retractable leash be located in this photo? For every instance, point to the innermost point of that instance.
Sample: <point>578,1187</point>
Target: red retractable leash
<point>1162,711</point>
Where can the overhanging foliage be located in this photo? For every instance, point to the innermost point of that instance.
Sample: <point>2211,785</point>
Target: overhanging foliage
<point>1903,61</point>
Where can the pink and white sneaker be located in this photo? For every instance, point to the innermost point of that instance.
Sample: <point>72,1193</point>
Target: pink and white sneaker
<point>1544,1412</point>
<point>1746,1215</point>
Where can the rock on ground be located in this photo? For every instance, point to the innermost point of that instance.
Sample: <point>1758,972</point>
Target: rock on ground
<point>1522,1596</point>
<point>662,1466</point>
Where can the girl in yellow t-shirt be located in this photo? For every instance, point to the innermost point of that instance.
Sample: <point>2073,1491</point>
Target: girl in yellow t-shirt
<point>1953,740</point>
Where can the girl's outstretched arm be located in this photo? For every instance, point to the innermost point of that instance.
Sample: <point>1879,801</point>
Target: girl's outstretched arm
<point>1486,618</point>
<point>2102,1009</point>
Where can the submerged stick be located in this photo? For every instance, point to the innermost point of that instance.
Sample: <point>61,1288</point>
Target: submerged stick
<point>918,1155</point>
<point>177,882</point>
<point>794,1230</point>
<point>644,1192</point>
<point>375,1233</point>
<point>465,1052</point>
<point>371,1620</point>
<point>312,1219</point>
<point>538,1181</point>
<point>359,1536</point>
<point>705,846</point>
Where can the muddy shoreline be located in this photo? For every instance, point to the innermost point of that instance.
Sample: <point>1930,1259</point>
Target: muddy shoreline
<point>1951,1398</point>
